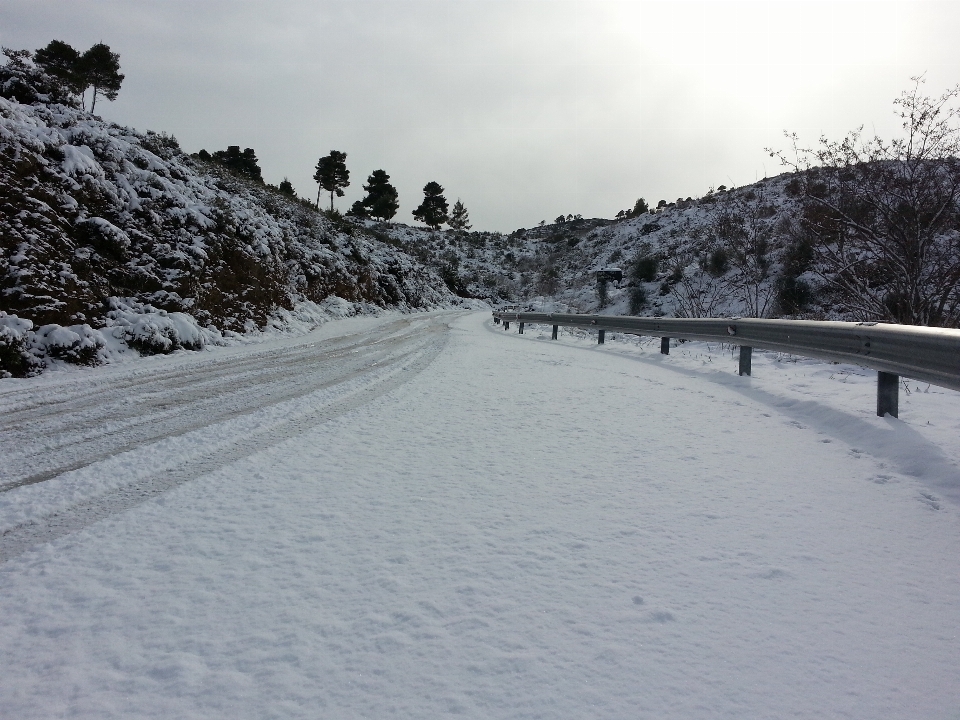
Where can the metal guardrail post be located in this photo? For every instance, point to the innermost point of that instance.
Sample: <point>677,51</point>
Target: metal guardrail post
<point>555,328</point>
<point>746,355</point>
<point>888,394</point>
<point>506,324</point>
<point>521,329</point>
<point>664,346</point>
<point>600,336</point>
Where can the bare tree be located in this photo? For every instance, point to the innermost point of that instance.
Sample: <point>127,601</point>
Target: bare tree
<point>744,232</point>
<point>884,217</point>
<point>698,294</point>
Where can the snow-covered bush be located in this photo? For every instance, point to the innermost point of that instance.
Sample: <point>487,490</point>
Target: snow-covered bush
<point>16,360</point>
<point>24,351</point>
<point>152,332</point>
<point>77,344</point>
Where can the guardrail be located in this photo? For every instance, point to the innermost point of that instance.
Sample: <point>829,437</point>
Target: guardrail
<point>923,353</point>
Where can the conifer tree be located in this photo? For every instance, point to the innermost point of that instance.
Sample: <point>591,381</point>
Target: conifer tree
<point>459,217</point>
<point>433,209</point>
<point>358,210</point>
<point>382,200</point>
<point>639,208</point>
<point>61,61</point>
<point>243,163</point>
<point>286,187</point>
<point>332,175</point>
<point>100,69</point>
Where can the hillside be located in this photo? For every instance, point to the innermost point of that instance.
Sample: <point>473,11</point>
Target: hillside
<point>864,229</point>
<point>108,236</point>
<point>731,252</point>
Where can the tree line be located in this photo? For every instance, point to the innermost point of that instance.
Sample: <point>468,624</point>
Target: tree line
<point>382,200</point>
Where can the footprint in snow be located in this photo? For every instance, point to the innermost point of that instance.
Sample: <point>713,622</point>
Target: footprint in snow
<point>931,501</point>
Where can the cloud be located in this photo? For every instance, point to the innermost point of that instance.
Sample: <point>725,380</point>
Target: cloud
<point>524,109</point>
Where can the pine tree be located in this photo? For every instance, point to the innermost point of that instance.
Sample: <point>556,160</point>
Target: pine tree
<point>61,61</point>
<point>382,200</point>
<point>100,68</point>
<point>459,217</point>
<point>332,175</point>
<point>639,208</point>
<point>243,163</point>
<point>433,209</point>
<point>286,187</point>
<point>358,210</point>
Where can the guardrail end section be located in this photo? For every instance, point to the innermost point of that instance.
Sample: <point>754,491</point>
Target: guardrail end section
<point>888,394</point>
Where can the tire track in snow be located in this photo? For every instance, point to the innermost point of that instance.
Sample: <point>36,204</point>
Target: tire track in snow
<point>385,375</point>
<point>40,443</point>
<point>20,405</point>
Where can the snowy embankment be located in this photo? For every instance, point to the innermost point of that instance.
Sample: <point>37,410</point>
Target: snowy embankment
<point>520,528</point>
<point>113,240</point>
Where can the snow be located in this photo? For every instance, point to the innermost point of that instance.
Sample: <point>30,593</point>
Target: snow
<point>80,161</point>
<point>514,528</point>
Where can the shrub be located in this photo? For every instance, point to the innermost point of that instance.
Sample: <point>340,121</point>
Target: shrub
<point>602,294</point>
<point>719,262</point>
<point>793,295</point>
<point>638,299</point>
<point>78,344</point>
<point>645,268</point>
<point>16,360</point>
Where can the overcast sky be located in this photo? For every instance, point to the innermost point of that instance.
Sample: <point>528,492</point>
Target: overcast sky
<point>523,109</point>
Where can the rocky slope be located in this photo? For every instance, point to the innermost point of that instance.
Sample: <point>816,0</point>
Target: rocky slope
<point>110,233</point>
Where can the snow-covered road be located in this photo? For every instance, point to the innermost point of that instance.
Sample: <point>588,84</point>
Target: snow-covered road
<point>210,410</point>
<point>428,516</point>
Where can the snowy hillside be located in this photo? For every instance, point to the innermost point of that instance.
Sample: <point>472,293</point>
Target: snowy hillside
<point>731,252</point>
<point>110,234</point>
